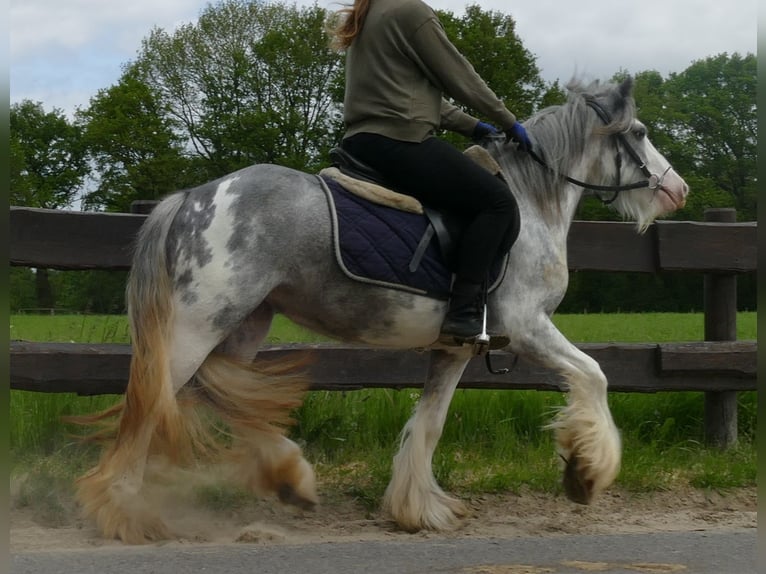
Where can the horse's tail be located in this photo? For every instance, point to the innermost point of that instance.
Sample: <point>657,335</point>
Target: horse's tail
<point>150,393</point>
<point>149,413</point>
<point>150,310</point>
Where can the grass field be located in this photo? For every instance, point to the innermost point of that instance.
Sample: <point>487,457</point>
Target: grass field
<point>594,328</point>
<point>492,440</point>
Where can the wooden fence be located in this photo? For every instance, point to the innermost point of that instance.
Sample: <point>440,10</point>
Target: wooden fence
<point>720,366</point>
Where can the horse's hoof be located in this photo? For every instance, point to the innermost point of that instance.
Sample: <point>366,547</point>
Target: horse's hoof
<point>577,488</point>
<point>288,495</point>
<point>138,528</point>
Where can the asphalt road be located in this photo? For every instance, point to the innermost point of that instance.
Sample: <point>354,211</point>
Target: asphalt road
<point>661,553</point>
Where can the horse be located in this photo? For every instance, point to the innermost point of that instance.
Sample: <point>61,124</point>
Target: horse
<point>213,264</point>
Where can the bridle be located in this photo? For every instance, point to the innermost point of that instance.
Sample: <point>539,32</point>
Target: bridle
<point>652,181</point>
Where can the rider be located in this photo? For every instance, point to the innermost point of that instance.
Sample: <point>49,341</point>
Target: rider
<point>399,66</point>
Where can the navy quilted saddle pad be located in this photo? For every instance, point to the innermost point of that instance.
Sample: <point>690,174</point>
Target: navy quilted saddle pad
<point>376,244</point>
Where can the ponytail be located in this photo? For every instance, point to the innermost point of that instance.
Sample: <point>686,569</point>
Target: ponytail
<point>346,24</point>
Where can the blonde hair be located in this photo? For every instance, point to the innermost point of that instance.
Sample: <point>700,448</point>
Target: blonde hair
<point>346,24</point>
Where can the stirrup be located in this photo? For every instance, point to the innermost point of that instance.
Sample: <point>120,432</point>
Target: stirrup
<point>484,342</point>
<point>480,346</point>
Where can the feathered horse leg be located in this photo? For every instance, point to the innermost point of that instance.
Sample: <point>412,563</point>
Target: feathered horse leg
<point>266,460</point>
<point>587,438</point>
<point>255,403</point>
<point>413,497</point>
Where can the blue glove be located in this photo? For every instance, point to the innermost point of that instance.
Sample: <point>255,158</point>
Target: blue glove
<point>483,130</point>
<point>518,134</point>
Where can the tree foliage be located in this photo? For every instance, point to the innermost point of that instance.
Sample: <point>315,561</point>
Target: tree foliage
<point>714,120</point>
<point>249,82</point>
<point>47,159</point>
<point>704,120</point>
<point>133,145</point>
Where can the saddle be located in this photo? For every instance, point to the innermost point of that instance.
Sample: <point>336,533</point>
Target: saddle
<point>364,181</point>
<point>366,211</point>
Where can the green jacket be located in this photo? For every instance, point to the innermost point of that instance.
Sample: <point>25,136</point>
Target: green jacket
<point>398,70</point>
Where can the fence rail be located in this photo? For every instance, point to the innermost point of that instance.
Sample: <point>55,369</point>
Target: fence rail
<point>88,240</point>
<point>719,366</point>
<point>647,368</point>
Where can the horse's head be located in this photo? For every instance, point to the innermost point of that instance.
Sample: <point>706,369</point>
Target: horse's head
<point>645,185</point>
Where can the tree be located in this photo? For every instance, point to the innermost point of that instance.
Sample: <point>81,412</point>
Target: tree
<point>715,119</point>
<point>248,83</point>
<point>47,159</point>
<point>48,167</point>
<point>133,145</point>
<point>704,120</point>
<point>18,182</point>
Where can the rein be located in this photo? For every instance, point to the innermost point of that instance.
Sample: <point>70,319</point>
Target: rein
<point>652,181</point>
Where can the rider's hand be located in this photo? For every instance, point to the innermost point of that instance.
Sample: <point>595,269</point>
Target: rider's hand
<point>483,130</point>
<point>518,134</point>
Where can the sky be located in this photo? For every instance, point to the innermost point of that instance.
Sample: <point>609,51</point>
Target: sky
<point>63,51</point>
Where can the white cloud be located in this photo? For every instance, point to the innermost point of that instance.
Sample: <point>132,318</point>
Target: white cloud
<point>42,26</point>
<point>63,51</point>
<point>599,38</point>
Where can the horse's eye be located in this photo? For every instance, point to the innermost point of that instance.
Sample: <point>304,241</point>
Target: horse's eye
<point>640,133</point>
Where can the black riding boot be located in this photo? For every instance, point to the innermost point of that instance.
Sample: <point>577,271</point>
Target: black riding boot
<point>465,315</point>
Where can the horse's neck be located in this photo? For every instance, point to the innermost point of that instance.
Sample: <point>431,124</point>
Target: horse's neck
<point>542,192</point>
<point>556,216</point>
<point>543,198</point>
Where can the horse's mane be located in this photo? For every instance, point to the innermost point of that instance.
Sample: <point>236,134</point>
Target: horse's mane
<point>560,134</point>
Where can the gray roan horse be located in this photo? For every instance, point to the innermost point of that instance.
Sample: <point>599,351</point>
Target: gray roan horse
<point>213,264</point>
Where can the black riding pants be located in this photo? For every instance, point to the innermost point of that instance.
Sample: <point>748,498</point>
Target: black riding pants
<point>440,176</point>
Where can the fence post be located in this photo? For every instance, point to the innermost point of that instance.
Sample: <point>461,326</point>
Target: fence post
<point>720,302</point>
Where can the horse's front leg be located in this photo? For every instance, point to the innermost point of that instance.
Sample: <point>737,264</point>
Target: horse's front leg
<point>413,497</point>
<point>587,439</point>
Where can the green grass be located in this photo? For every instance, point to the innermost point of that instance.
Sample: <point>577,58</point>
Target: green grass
<point>593,328</point>
<point>114,329</point>
<point>70,328</point>
<point>493,440</point>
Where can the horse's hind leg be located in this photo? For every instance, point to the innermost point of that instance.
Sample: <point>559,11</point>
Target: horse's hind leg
<point>267,461</point>
<point>413,497</point>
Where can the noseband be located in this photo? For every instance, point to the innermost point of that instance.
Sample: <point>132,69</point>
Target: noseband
<point>652,181</point>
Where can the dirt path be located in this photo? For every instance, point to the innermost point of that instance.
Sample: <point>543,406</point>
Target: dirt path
<point>343,519</point>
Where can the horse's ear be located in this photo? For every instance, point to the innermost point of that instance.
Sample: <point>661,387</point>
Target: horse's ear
<point>626,87</point>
